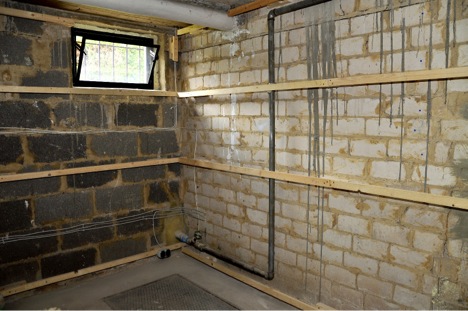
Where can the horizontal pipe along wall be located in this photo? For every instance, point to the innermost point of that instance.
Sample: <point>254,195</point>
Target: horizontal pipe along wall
<point>348,250</point>
<point>59,224</point>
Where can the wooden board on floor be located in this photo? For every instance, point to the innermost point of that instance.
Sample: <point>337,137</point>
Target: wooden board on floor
<point>253,283</point>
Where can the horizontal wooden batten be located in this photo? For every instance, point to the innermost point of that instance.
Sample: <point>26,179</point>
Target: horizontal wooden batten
<point>84,91</point>
<point>394,193</point>
<point>71,275</point>
<point>87,169</point>
<point>385,78</point>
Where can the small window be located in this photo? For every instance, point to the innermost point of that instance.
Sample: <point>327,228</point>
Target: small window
<point>111,60</point>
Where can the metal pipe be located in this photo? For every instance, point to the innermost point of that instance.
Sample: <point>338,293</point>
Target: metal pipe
<point>272,95</point>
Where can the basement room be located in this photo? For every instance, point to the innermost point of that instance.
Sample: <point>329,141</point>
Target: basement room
<point>234,154</point>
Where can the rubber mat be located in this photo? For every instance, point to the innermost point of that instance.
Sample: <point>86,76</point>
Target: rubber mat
<point>170,293</point>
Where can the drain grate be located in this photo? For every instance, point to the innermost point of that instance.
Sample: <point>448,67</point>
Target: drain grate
<point>170,293</point>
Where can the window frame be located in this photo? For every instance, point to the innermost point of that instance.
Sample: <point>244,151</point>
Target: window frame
<point>112,38</point>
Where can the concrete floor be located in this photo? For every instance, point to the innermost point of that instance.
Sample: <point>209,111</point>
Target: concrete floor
<point>87,293</point>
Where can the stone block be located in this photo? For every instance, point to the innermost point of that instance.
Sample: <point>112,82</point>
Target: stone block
<point>15,51</point>
<point>257,217</point>
<point>54,148</point>
<point>158,193</point>
<point>368,148</point>
<point>371,248</point>
<point>425,218</point>
<point>411,299</point>
<point>88,180</point>
<point>349,166</point>
<point>365,65</point>
<point>22,250</point>
<point>169,115</point>
<point>52,78</point>
<point>387,170</point>
<point>365,265</point>
<point>111,200</point>
<point>27,26</point>
<point>159,143</point>
<point>73,115</point>
<point>67,262</point>
<point>25,271</point>
<point>115,144</point>
<point>25,114</point>
<point>81,238</point>
<point>454,130</point>
<point>337,238</point>
<point>377,303</point>
<point>137,115</point>
<point>398,275</point>
<point>64,206</point>
<point>350,126</point>
<point>145,173</point>
<point>122,248</point>
<point>436,175</point>
<point>131,228</point>
<point>410,258</point>
<point>22,188</point>
<point>340,275</point>
<point>391,233</point>
<point>351,46</point>
<point>15,215</point>
<point>353,225</point>
<point>11,150</point>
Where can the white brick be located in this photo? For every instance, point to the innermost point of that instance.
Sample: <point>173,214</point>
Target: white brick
<point>329,254</point>
<point>387,43</point>
<point>412,15</point>
<point>371,248</point>
<point>368,148</point>
<point>257,217</point>
<point>351,46</point>
<point>338,239</point>
<point>413,61</point>
<point>336,146</point>
<point>387,170</point>
<point>363,25</point>
<point>348,166</point>
<point>410,258</point>
<point>195,83</point>
<point>428,241</point>
<point>343,203</point>
<point>288,159</point>
<point>442,152</point>
<point>412,299</point>
<point>251,109</point>
<point>425,218</point>
<point>411,149</point>
<point>364,264</point>
<point>250,77</point>
<point>398,275</point>
<point>340,275</point>
<point>211,109</point>
<point>296,245</point>
<point>252,230</point>
<point>212,81</point>
<point>367,65</point>
<point>436,175</point>
<point>298,142</point>
<point>285,256</point>
<point>294,212</point>
<point>354,126</point>
<point>232,224</point>
<point>353,225</point>
<point>391,233</point>
<point>458,86</point>
<point>384,129</point>
<point>230,79</point>
<point>235,210</point>
<point>298,72</point>
<point>461,152</point>
<point>381,210</point>
<point>462,36</point>
<point>362,107</point>
<point>342,28</point>
<point>420,35</point>
<point>375,286</point>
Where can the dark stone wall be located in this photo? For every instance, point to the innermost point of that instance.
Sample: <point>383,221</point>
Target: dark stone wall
<point>80,220</point>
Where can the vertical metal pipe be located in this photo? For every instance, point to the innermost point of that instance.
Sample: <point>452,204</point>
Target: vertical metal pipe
<point>272,148</point>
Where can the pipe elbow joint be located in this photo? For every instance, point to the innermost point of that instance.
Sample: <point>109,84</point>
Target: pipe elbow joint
<point>272,14</point>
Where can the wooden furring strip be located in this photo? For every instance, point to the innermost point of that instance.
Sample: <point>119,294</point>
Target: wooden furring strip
<point>85,271</point>
<point>393,193</point>
<point>84,91</point>
<point>409,76</point>
<point>87,169</point>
